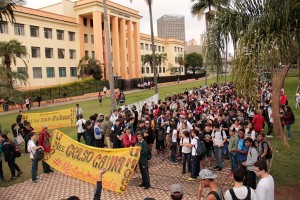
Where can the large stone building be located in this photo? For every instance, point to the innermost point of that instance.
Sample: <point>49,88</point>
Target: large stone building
<point>171,26</point>
<point>59,35</point>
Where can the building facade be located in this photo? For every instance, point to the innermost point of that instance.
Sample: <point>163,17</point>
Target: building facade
<point>58,36</point>
<point>171,26</point>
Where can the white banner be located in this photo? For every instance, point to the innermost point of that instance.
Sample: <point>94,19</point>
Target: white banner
<point>139,105</point>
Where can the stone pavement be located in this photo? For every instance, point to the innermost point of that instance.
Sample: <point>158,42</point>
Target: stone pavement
<point>163,174</point>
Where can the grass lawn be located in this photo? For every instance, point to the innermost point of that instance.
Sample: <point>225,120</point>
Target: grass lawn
<point>285,164</point>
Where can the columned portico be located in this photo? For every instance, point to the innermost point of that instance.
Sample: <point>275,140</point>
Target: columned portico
<point>115,45</point>
<point>98,45</point>
<point>124,71</point>
<point>137,52</point>
<point>131,64</point>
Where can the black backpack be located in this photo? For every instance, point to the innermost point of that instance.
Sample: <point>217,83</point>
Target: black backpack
<point>39,154</point>
<point>269,151</point>
<point>233,196</point>
<point>83,125</point>
<point>201,149</point>
<point>160,134</point>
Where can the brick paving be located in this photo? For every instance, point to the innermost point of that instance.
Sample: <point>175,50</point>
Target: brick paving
<point>163,173</point>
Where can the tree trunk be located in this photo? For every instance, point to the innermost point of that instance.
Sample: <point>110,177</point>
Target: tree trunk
<point>226,60</point>
<point>110,67</point>
<point>276,88</point>
<point>153,49</point>
<point>217,74</point>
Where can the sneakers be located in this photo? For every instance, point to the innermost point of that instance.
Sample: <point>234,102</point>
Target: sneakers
<point>191,179</point>
<point>36,181</point>
<point>13,178</point>
<point>19,173</point>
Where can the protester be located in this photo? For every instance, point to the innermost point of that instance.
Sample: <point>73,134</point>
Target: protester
<point>129,140</point>
<point>219,138</point>
<point>8,148</point>
<point>27,102</point>
<point>78,111</point>
<point>98,189</point>
<point>195,159</point>
<point>89,131</point>
<point>252,157</point>
<point>265,187</point>
<point>100,98</point>
<point>99,134</point>
<point>185,142</point>
<point>44,141</point>
<point>207,180</point>
<point>263,147</point>
<point>239,191</point>
<point>32,148</point>
<point>107,124</point>
<point>81,128</point>
<point>143,161</point>
<point>176,192</point>
<point>1,169</point>
<point>232,147</point>
<point>258,122</point>
<point>288,120</point>
<point>116,133</point>
<point>27,128</point>
<point>208,142</point>
<point>19,118</point>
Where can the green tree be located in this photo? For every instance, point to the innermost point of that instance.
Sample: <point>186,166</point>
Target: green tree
<point>181,61</point>
<point>173,70</point>
<point>7,9</point>
<point>194,60</point>
<point>149,3</point>
<point>90,67</point>
<point>9,52</point>
<point>160,59</point>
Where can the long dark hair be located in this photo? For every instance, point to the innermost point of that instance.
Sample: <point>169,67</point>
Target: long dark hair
<point>6,139</point>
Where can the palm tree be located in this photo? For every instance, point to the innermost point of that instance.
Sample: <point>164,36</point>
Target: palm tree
<point>149,3</point>
<point>110,65</point>
<point>7,9</point>
<point>180,61</point>
<point>10,51</point>
<point>90,67</point>
<point>161,59</point>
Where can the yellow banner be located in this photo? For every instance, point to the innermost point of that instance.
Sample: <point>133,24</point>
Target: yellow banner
<point>55,119</point>
<point>84,162</point>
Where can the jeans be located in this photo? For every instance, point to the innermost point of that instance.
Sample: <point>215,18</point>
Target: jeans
<point>250,179</point>
<point>186,158</point>
<point>99,143</point>
<point>173,151</point>
<point>233,160</point>
<point>89,140</point>
<point>1,170</point>
<point>79,136</point>
<point>145,174</point>
<point>219,156</point>
<point>13,167</point>
<point>195,166</point>
<point>34,169</point>
<point>270,128</point>
<point>288,128</point>
<point>46,167</point>
<point>116,143</point>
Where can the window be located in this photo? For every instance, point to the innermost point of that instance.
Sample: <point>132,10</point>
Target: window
<point>19,29</point>
<point>72,54</point>
<point>61,53</point>
<point>175,48</point>
<point>48,33</point>
<point>147,70</point>
<point>155,47</point>
<point>85,21</point>
<point>86,40</point>
<point>60,34</point>
<point>142,46</point>
<point>86,53</point>
<point>92,39</point>
<point>164,70</point>
<point>93,54</point>
<point>159,69</point>
<point>163,49</point>
<point>62,72</point>
<point>71,36</point>
<point>73,71</point>
<point>159,48</point>
<point>146,46</point>
<point>22,70</point>
<point>181,50</point>
<point>35,52</point>
<point>48,52</point>
<point>143,70</point>
<point>3,27</point>
<point>91,23</point>
<point>150,47</point>
<point>37,72</point>
<point>34,31</point>
<point>152,69</point>
<point>50,72</point>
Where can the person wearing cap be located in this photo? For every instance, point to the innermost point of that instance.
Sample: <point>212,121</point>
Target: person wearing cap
<point>78,111</point>
<point>44,141</point>
<point>143,161</point>
<point>207,180</point>
<point>176,192</point>
<point>252,157</point>
<point>239,191</point>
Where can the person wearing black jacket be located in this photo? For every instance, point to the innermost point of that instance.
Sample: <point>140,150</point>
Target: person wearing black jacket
<point>19,118</point>
<point>8,147</point>
<point>27,128</point>
<point>149,135</point>
<point>117,130</point>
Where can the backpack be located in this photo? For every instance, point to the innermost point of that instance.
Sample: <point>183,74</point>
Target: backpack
<point>160,134</point>
<point>83,125</point>
<point>201,149</point>
<point>39,154</point>
<point>233,196</point>
<point>269,151</point>
<point>18,151</point>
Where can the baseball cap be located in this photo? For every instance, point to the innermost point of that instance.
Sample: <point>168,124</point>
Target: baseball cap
<point>147,122</point>
<point>44,127</point>
<point>176,189</point>
<point>207,174</point>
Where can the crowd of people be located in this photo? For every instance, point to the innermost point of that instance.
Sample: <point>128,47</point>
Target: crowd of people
<point>213,117</point>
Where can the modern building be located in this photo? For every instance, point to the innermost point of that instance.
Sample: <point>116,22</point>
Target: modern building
<point>59,35</point>
<point>171,26</point>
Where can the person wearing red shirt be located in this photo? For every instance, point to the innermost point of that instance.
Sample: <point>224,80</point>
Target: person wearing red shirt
<point>44,141</point>
<point>282,98</point>
<point>129,140</point>
<point>258,122</point>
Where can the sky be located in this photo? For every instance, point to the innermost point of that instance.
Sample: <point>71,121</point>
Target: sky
<point>193,26</point>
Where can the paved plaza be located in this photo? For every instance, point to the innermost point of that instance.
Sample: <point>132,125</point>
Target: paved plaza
<point>163,173</point>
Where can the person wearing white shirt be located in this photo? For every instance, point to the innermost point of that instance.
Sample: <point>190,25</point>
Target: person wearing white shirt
<point>195,160</point>
<point>239,191</point>
<point>189,126</point>
<point>78,111</point>
<point>265,187</point>
<point>174,137</point>
<point>80,129</point>
<point>114,117</point>
<point>185,141</point>
<point>219,138</point>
